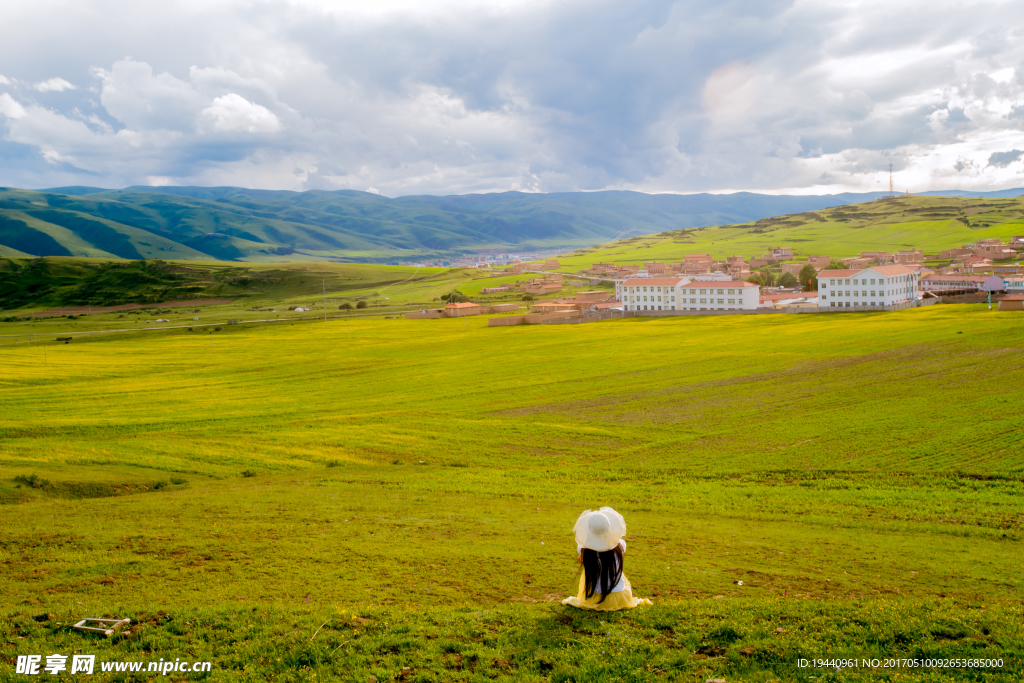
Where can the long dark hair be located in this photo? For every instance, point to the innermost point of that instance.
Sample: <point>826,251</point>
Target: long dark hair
<point>601,571</point>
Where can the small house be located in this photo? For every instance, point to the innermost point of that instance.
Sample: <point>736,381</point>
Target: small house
<point>1014,302</point>
<point>461,310</point>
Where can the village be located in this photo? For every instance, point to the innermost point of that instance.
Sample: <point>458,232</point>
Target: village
<point>778,281</point>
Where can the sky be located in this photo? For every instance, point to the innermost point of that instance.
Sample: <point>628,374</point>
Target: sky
<point>450,97</point>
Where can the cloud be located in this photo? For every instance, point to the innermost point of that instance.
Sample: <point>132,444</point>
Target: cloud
<point>53,85</point>
<point>54,157</point>
<point>963,165</point>
<point>141,100</point>
<point>4,80</point>
<point>730,91</point>
<point>1003,75</point>
<point>232,113</point>
<point>10,108</point>
<point>534,95</point>
<point>1004,159</point>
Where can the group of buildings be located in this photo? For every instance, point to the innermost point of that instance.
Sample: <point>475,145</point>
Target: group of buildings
<point>876,280</point>
<point>549,284</point>
<point>694,265</point>
<point>873,280</point>
<point>691,265</point>
<point>980,257</point>
<point>462,310</point>
<point>876,287</point>
<point>484,258</point>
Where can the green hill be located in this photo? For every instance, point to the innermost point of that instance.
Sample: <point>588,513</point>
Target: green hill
<point>928,223</point>
<point>249,225</point>
<point>68,281</point>
<point>235,224</point>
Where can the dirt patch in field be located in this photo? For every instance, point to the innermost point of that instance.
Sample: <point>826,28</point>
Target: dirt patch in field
<point>84,310</point>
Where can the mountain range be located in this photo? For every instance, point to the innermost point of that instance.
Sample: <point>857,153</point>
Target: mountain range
<point>237,224</point>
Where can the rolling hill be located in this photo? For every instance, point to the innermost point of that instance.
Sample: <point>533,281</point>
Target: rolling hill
<point>54,281</point>
<point>930,223</point>
<point>235,224</point>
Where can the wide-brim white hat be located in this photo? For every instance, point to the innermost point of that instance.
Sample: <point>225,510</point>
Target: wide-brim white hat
<point>599,530</point>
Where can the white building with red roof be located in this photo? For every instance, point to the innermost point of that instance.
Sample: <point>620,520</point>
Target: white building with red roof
<point>870,288</point>
<point>683,294</point>
<point>463,309</point>
<point>652,293</point>
<point>716,295</point>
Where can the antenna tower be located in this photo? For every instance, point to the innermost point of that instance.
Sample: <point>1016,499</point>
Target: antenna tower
<point>890,179</point>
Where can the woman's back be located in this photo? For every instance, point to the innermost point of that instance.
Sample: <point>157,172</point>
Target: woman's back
<point>603,584</point>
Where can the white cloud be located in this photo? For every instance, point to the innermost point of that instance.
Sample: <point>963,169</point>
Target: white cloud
<point>133,95</point>
<point>730,91</point>
<point>4,80</point>
<point>10,108</point>
<point>963,165</point>
<point>1003,75</point>
<point>52,156</point>
<point>234,113</point>
<point>537,95</point>
<point>54,85</point>
<point>385,8</point>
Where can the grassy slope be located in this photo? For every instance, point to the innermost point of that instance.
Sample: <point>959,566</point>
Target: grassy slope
<point>35,284</point>
<point>235,224</point>
<point>70,242</point>
<point>424,476</point>
<point>81,233</point>
<point>9,252</point>
<point>928,223</point>
<point>266,226</point>
<point>506,218</point>
<point>166,226</point>
<point>123,241</point>
<point>40,284</point>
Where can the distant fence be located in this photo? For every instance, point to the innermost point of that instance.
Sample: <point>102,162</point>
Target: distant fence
<point>862,309</point>
<point>782,310</point>
<point>658,314</point>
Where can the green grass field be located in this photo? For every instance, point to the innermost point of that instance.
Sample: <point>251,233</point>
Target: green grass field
<point>28,285</point>
<point>931,224</point>
<point>409,488</point>
<point>59,297</point>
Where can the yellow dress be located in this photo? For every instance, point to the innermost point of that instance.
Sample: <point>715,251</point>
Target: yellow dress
<point>622,599</point>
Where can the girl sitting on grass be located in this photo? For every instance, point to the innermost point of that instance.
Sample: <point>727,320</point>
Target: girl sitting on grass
<point>599,543</point>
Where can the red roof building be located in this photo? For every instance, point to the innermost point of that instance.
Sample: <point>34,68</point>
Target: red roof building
<point>461,310</point>
<point>1014,302</point>
<point>871,288</point>
<point>651,293</point>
